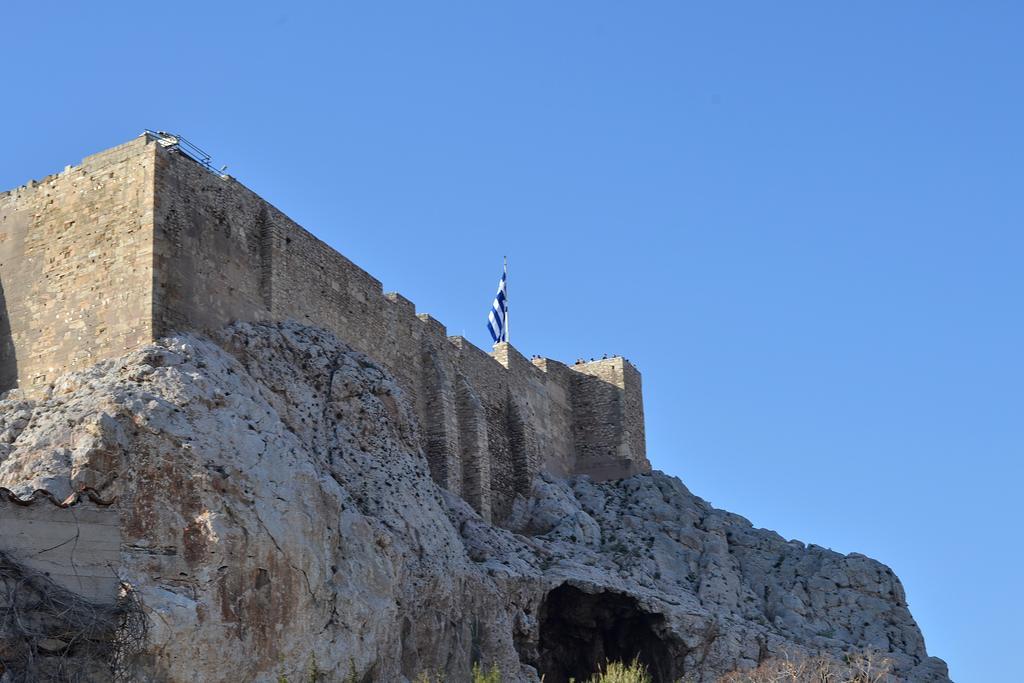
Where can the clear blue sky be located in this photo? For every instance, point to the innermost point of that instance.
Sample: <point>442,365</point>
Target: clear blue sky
<point>804,222</point>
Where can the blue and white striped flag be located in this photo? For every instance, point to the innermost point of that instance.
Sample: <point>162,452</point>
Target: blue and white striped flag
<point>497,319</point>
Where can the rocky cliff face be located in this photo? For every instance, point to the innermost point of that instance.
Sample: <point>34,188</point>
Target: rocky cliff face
<point>275,508</point>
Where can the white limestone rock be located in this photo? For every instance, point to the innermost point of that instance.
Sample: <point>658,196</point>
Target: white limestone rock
<point>276,508</point>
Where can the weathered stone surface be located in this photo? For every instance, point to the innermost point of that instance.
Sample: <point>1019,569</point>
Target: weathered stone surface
<point>276,505</point>
<point>78,547</point>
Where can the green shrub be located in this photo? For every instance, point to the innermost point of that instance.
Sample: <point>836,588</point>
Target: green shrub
<point>352,677</point>
<point>493,675</point>
<point>617,672</point>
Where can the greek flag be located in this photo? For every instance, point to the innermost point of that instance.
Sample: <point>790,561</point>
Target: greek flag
<point>497,319</point>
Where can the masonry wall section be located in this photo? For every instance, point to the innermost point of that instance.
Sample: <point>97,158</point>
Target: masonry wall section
<point>77,547</point>
<point>608,419</point>
<point>76,273</point>
<point>208,248</point>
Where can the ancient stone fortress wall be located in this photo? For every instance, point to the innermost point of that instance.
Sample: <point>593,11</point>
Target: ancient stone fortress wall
<point>141,241</point>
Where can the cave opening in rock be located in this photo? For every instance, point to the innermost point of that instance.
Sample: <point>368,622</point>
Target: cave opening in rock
<point>580,631</point>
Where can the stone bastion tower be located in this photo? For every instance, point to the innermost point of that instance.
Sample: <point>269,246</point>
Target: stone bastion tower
<point>141,241</point>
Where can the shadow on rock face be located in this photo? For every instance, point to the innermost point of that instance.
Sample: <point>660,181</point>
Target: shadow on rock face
<point>8,361</point>
<point>580,631</point>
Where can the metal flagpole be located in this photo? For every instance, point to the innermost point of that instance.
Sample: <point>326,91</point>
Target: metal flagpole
<point>507,340</point>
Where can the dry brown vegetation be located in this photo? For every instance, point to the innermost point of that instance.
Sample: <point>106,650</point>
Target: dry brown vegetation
<point>863,667</point>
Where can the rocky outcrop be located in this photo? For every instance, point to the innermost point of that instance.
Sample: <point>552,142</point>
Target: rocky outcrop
<point>275,509</point>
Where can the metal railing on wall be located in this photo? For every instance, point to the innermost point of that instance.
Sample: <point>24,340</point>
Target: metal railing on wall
<point>186,147</point>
